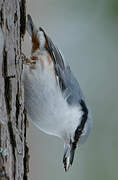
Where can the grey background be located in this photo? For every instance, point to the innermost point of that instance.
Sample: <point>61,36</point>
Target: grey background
<point>87,34</point>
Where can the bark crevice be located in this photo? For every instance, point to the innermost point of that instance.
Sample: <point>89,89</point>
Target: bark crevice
<point>26,156</point>
<point>13,146</point>
<point>7,83</point>
<point>22,18</point>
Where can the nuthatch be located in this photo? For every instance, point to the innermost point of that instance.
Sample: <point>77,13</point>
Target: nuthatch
<point>53,98</point>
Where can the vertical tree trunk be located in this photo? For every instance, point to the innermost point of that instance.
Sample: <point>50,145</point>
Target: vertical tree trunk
<point>13,149</point>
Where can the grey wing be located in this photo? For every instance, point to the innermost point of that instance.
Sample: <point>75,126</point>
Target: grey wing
<point>60,66</point>
<point>68,84</point>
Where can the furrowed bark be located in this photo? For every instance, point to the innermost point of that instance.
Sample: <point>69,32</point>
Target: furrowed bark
<point>13,148</point>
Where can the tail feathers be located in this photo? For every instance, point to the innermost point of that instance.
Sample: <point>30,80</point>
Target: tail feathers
<point>37,36</point>
<point>42,38</point>
<point>30,26</point>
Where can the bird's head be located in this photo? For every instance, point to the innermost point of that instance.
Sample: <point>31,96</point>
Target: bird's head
<point>77,136</point>
<point>71,143</point>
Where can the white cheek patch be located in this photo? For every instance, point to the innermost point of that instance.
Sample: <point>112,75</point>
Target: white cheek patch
<point>41,37</point>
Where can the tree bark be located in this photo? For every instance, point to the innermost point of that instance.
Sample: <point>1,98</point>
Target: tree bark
<point>13,148</point>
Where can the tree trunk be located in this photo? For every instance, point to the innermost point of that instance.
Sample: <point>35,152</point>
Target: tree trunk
<point>13,149</point>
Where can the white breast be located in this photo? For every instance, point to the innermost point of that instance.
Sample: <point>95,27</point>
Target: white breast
<point>44,101</point>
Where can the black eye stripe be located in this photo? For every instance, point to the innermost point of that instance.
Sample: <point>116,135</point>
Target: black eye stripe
<point>80,128</point>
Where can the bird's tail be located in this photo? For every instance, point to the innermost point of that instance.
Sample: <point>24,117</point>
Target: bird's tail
<point>30,26</point>
<point>37,35</point>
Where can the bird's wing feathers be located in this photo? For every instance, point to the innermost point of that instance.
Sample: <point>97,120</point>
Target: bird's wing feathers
<point>59,63</point>
<point>55,54</point>
<point>67,82</point>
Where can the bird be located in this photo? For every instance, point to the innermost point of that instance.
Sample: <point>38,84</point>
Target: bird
<point>52,95</point>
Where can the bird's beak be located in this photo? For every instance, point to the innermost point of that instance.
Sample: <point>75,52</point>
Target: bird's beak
<point>68,161</point>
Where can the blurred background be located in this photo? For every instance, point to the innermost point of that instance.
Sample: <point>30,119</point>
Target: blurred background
<point>87,34</point>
